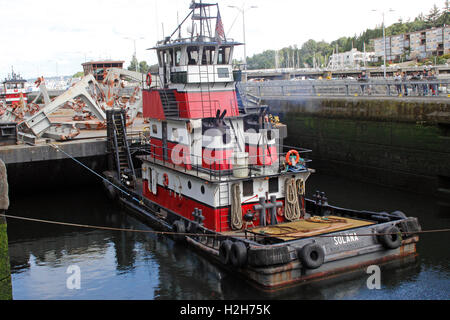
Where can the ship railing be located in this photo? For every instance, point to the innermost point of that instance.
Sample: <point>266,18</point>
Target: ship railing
<point>215,169</point>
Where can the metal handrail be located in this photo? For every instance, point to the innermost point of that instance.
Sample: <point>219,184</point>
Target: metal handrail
<point>374,87</point>
<point>199,170</point>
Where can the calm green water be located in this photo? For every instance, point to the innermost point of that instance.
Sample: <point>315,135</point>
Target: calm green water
<point>120,265</point>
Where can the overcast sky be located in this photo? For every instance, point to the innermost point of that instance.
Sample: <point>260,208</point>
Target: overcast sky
<point>51,37</point>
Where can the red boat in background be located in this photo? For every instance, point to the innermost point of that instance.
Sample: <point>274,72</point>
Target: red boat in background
<point>13,91</point>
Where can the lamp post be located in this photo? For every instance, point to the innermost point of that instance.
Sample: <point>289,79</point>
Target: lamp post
<point>134,41</point>
<point>384,39</point>
<point>242,10</point>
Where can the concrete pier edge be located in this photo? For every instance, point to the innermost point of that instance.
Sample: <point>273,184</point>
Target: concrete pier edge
<point>5,270</point>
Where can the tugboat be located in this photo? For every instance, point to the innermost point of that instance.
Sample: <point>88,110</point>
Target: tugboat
<point>14,90</point>
<point>216,175</point>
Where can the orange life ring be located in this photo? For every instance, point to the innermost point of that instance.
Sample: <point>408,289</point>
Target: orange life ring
<point>166,180</point>
<point>149,79</point>
<point>288,156</point>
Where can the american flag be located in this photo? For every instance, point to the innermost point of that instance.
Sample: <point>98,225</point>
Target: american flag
<point>220,32</point>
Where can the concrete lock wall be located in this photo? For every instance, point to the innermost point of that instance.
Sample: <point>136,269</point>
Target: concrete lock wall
<point>5,273</point>
<point>397,143</point>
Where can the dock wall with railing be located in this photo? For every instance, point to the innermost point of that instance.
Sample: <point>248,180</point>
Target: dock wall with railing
<point>5,272</point>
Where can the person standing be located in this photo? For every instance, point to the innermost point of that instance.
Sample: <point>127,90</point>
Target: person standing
<point>425,85</point>
<point>405,87</point>
<point>397,79</point>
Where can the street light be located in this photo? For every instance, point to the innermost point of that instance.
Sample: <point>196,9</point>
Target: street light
<point>384,38</point>
<point>242,10</point>
<point>134,41</point>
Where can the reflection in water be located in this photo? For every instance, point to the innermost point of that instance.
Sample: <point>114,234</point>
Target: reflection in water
<point>123,265</point>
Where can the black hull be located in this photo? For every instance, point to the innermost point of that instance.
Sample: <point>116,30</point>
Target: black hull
<point>271,267</point>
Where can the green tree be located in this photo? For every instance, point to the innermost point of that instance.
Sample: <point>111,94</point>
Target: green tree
<point>133,64</point>
<point>142,66</point>
<point>433,16</point>
<point>78,75</point>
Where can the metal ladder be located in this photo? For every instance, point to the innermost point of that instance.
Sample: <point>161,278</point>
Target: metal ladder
<point>118,146</point>
<point>205,96</point>
<point>169,102</point>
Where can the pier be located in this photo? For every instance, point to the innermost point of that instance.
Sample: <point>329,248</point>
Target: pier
<point>48,162</point>
<point>5,273</point>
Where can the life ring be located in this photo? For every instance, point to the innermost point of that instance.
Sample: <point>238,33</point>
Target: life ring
<point>148,80</point>
<point>312,256</point>
<point>238,254</point>
<point>288,156</point>
<point>166,180</point>
<point>224,251</point>
<point>391,237</point>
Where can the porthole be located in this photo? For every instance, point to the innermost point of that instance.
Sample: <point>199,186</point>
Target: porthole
<point>202,189</point>
<point>189,185</point>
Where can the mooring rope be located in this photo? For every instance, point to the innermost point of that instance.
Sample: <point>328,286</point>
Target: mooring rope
<point>95,173</point>
<point>209,235</point>
<point>292,209</point>
<point>236,208</point>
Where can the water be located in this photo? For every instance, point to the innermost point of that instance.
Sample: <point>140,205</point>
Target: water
<point>122,265</point>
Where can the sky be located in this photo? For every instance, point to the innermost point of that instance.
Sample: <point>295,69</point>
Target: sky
<point>53,38</point>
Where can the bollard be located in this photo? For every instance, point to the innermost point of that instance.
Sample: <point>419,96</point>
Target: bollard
<point>5,272</point>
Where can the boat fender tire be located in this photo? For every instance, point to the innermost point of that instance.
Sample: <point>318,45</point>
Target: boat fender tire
<point>225,251</point>
<point>110,190</point>
<point>312,256</point>
<point>268,256</point>
<point>238,254</point>
<point>391,237</point>
<point>178,227</point>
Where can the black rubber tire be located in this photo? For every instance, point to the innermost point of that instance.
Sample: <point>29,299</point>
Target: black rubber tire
<point>225,251</point>
<point>238,254</point>
<point>178,227</point>
<point>110,191</point>
<point>312,256</point>
<point>391,237</point>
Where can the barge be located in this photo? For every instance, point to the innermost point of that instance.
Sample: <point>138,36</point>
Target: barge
<point>214,173</point>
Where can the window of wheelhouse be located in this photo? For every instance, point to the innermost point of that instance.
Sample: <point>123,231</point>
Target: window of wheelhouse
<point>208,55</point>
<point>177,57</point>
<point>168,57</point>
<point>224,55</point>
<point>193,55</point>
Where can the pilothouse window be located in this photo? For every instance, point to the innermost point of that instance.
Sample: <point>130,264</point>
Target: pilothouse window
<point>168,57</point>
<point>177,57</point>
<point>208,55</point>
<point>192,55</point>
<point>224,55</point>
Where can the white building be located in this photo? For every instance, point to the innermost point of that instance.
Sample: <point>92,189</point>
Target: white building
<point>350,59</point>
